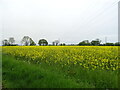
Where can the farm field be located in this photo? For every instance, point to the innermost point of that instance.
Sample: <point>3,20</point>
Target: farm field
<point>60,66</point>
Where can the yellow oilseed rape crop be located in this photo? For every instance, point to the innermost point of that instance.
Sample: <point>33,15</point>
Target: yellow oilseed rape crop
<point>88,57</point>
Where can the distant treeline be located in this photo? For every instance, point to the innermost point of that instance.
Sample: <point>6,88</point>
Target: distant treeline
<point>27,41</point>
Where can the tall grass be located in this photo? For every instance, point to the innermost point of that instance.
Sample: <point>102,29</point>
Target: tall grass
<point>20,74</point>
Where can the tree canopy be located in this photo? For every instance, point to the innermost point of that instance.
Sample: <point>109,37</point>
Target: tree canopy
<point>42,42</point>
<point>84,43</point>
<point>27,41</point>
<point>5,42</point>
<point>95,42</point>
<point>11,40</point>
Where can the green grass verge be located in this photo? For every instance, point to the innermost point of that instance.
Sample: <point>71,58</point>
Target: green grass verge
<point>19,74</point>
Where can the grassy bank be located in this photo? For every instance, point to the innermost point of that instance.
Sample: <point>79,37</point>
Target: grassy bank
<point>20,74</point>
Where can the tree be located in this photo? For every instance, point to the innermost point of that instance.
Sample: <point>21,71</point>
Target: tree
<point>42,42</point>
<point>56,42</point>
<point>5,42</point>
<point>96,42</point>
<point>117,44</point>
<point>32,43</point>
<point>109,44</point>
<point>26,41</point>
<point>62,44</point>
<point>11,41</point>
<point>84,43</point>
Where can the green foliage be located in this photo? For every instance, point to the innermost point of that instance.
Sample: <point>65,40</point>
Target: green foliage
<point>109,44</point>
<point>5,42</point>
<point>84,43</point>
<point>95,42</point>
<point>117,44</point>
<point>42,42</point>
<point>18,74</point>
<point>32,43</point>
<point>62,44</point>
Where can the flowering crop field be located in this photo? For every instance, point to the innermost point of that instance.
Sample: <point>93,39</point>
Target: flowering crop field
<point>89,57</point>
<point>78,62</point>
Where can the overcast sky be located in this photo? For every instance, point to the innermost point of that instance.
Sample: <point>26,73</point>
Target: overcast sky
<point>71,21</point>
